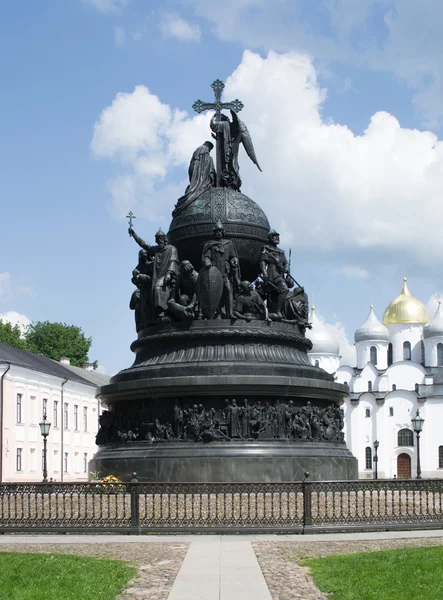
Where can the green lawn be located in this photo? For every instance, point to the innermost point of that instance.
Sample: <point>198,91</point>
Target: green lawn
<point>61,577</point>
<point>407,574</point>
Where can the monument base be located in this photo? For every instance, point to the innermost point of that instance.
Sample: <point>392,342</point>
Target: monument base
<point>233,461</point>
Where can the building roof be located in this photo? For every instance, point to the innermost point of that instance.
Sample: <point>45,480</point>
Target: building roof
<point>323,340</point>
<point>435,326</point>
<point>97,379</point>
<point>38,362</point>
<point>371,329</point>
<point>405,309</point>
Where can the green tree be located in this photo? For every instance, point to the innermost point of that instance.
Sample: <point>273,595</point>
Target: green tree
<point>12,335</point>
<point>55,340</point>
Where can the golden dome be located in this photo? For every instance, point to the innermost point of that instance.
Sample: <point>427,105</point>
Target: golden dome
<point>405,309</point>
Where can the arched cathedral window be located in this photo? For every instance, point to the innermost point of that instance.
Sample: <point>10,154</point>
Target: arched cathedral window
<point>389,355</point>
<point>369,386</point>
<point>368,457</point>
<point>373,355</point>
<point>422,352</point>
<point>367,412</point>
<point>405,437</point>
<point>440,457</point>
<point>440,355</point>
<point>406,350</point>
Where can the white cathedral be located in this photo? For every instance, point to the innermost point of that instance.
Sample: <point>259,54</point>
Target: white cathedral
<point>399,370</point>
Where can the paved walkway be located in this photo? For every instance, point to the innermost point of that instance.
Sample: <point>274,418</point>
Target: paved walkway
<point>220,567</point>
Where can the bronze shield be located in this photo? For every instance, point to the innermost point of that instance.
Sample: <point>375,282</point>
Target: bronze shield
<point>209,290</point>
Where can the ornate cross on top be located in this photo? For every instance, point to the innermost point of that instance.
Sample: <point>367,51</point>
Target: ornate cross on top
<point>200,106</point>
<point>130,216</point>
<point>218,87</point>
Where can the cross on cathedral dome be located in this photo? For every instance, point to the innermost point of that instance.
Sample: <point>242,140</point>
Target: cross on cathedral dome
<point>405,309</point>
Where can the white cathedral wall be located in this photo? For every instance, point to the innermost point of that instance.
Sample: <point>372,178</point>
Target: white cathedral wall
<point>328,362</point>
<point>405,375</point>
<point>431,437</point>
<point>25,435</point>
<point>431,350</point>
<point>364,353</point>
<point>406,332</point>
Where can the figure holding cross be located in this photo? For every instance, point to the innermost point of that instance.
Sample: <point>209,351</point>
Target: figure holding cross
<point>228,135</point>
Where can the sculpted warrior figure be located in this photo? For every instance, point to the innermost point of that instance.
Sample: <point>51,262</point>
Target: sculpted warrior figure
<point>184,302</point>
<point>275,274</point>
<point>222,253</point>
<point>164,275</point>
<point>249,304</point>
<point>201,176</point>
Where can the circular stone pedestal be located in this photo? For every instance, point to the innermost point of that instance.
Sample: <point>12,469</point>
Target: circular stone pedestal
<point>234,461</point>
<point>172,415</point>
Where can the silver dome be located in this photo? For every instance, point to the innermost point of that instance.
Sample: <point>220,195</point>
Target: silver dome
<point>435,326</point>
<point>323,341</point>
<point>372,329</point>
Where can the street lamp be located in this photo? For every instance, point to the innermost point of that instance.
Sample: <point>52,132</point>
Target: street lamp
<point>417,426</point>
<point>376,445</point>
<point>45,426</point>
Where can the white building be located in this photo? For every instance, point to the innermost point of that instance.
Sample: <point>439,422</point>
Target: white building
<point>31,385</point>
<point>399,370</point>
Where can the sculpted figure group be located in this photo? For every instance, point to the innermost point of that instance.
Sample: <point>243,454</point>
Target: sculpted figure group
<point>261,420</point>
<point>170,290</point>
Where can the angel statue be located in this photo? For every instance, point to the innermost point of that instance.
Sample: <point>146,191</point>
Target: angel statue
<point>229,136</point>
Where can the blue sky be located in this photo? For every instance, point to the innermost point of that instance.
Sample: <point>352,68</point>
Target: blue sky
<point>344,102</point>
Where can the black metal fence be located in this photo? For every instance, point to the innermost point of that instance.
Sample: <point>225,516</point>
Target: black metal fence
<point>296,507</point>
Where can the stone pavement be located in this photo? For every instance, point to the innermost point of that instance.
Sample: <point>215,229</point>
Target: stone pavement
<point>216,567</point>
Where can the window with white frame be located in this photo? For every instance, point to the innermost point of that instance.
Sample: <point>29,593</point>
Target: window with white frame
<point>19,408</point>
<point>406,350</point>
<point>65,462</point>
<point>373,355</point>
<point>65,416</point>
<point>85,462</point>
<point>55,414</point>
<point>44,408</point>
<point>440,457</point>
<point>368,457</point>
<point>85,418</point>
<point>405,437</point>
<point>18,459</point>
<point>75,417</point>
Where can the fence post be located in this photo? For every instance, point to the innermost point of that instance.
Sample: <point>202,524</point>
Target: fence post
<point>135,508</point>
<point>307,505</point>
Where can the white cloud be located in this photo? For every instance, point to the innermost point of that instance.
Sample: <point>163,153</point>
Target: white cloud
<point>354,272</point>
<point>172,25</point>
<point>119,36</point>
<point>322,185</point>
<point>432,303</point>
<point>16,318</point>
<point>402,37</point>
<point>108,6</point>
<point>12,286</point>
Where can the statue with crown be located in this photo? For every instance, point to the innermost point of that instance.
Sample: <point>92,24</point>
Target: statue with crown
<point>221,367</point>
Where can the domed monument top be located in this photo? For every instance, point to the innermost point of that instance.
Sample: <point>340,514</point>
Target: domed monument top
<point>214,193</point>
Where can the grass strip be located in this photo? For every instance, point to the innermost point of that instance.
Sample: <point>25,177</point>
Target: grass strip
<point>404,574</point>
<point>61,577</point>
